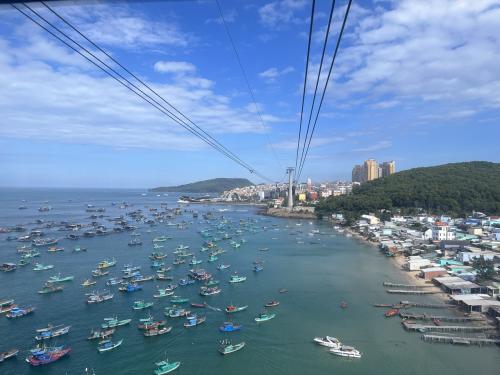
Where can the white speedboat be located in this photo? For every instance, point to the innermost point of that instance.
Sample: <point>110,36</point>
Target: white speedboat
<point>346,351</point>
<point>328,341</point>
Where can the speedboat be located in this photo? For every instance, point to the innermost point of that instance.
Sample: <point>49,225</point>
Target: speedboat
<point>346,351</point>
<point>328,341</point>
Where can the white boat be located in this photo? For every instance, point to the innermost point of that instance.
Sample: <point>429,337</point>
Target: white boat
<point>328,341</point>
<point>346,351</point>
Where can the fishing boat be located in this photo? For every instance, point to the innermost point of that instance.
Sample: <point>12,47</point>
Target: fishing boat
<point>78,249</point>
<point>181,248</point>
<point>176,313</point>
<point>99,273</point>
<point>230,327</point>
<point>8,354</point>
<point>221,267</point>
<point>140,278</point>
<point>130,288</point>
<point>106,264</point>
<point>195,261</point>
<point>157,264</point>
<point>391,312</point>
<point>46,356</point>
<point>160,239</point>
<point>226,347</point>
<point>212,283</point>
<point>178,300</point>
<point>157,331</point>
<point>198,305</point>
<point>283,291</point>
<point>163,293</point>
<point>107,345</point>
<point>60,279</point>
<point>258,268</point>
<point>88,282</point>
<point>97,297</point>
<point>8,267</point>
<point>207,291</point>
<point>114,322</point>
<point>178,261</point>
<point>343,305</point>
<point>135,242</point>
<point>164,367</point>
<point>232,309</point>
<point>104,334</point>
<point>162,276</point>
<point>55,249</point>
<point>264,249</point>
<point>237,279</point>
<point>264,317</point>
<point>212,258</point>
<point>113,281</point>
<point>157,256</point>
<point>184,282</point>
<point>194,321</point>
<point>141,305</point>
<point>346,351</point>
<point>47,334</point>
<point>41,242</point>
<point>49,288</point>
<point>41,267</point>
<point>328,341</point>
<point>19,312</point>
<point>272,303</point>
<point>129,268</point>
<point>7,306</point>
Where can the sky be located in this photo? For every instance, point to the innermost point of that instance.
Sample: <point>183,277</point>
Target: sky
<point>414,81</point>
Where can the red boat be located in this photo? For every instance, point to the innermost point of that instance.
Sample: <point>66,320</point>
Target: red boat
<point>437,322</point>
<point>391,312</point>
<point>151,325</point>
<point>44,358</point>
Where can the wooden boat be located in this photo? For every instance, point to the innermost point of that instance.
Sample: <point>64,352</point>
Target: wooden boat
<point>130,288</point>
<point>157,331</point>
<point>47,334</point>
<point>258,268</point>
<point>198,305</point>
<point>164,367</point>
<point>78,249</point>
<point>8,354</point>
<point>283,291</point>
<point>55,249</point>
<point>18,312</point>
<point>97,297</point>
<point>41,267</point>
<point>163,293</point>
<point>162,276</point>
<point>106,264</point>
<point>8,267</point>
<point>194,321</point>
<point>49,288</point>
<point>230,327</point>
<point>141,305</point>
<point>114,322</point>
<point>206,291</point>
<point>59,279</point>
<point>343,305</point>
<point>88,282</point>
<point>46,356</point>
<point>237,279</point>
<point>107,345</point>
<point>264,317</point>
<point>176,313</point>
<point>272,303</point>
<point>233,309</point>
<point>99,273</point>
<point>391,312</point>
<point>104,334</point>
<point>226,347</point>
<point>179,300</point>
<point>437,322</point>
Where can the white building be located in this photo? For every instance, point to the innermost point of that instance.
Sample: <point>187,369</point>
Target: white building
<point>415,263</point>
<point>442,232</point>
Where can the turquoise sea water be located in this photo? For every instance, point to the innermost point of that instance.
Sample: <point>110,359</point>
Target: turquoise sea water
<point>319,271</point>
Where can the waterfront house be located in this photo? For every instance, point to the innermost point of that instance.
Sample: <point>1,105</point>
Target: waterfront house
<point>476,302</point>
<point>457,285</point>
<point>415,263</point>
<point>432,272</point>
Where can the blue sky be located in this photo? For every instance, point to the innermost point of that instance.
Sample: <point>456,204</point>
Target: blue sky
<point>417,82</point>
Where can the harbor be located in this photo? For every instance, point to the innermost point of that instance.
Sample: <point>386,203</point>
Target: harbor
<point>305,278</point>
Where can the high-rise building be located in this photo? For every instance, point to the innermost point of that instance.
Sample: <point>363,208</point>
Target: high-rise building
<point>388,168</point>
<point>370,170</point>
<point>357,173</point>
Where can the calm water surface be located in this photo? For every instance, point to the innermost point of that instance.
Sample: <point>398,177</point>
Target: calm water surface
<point>319,271</point>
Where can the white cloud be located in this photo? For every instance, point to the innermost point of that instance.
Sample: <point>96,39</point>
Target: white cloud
<point>443,51</point>
<point>174,67</point>
<point>272,74</point>
<point>279,12</point>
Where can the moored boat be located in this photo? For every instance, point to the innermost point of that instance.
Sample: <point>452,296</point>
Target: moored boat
<point>272,303</point>
<point>50,288</point>
<point>328,341</point>
<point>141,305</point>
<point>230,327</point>
<point>391,312</point>
<point>232,309</point>
<point>18,312</point>
<point>107,345</point>
<point>41,267</point>
<point>226,347</point>
<point>164,367</point>
<point>50,333</point>
<point>46,356</point>
<point>114,322</point>
<point>104,334</point>
<point>264,317</point>
<point>59,279</point>
<point>346,351</point>
<point>8,354</point>
<point>179,300</point>
<point>194,321</point>
<point>237,279</point>
<point>89,282</point>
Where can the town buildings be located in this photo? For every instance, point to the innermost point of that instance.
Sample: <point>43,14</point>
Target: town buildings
<point>371,170</point>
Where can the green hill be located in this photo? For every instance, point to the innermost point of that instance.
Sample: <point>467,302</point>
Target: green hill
<point>215,185</point>
<point>454,189</point>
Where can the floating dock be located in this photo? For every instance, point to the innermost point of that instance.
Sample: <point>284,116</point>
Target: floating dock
<point>409,326</point>
<point>460,340</point>
<point>413,316</point>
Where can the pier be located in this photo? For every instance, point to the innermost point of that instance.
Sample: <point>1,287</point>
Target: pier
<point>460,340</point>
<point>413,316</point>
<point>407,305</point>
<point>407,286</point>
<point>409,291</point>
<point>424,327</point>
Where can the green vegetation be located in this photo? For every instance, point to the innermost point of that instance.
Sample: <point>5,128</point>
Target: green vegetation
<point>485,268</point>
<point>215,185</point>
<point>454,189</point>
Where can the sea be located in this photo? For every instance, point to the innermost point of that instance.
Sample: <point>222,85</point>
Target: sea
<point>319,267</point>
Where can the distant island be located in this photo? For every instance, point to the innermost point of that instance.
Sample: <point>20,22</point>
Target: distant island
<point>215,185</point>
<point>453,189</point>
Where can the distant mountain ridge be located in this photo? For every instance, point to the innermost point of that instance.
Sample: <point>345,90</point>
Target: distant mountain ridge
<point>214,185</point>
<point>456,188</point>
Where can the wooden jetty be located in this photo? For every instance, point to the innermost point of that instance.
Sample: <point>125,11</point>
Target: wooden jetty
<point>411,326</point>
<point>413,316</point>
<point>409,291</point>
<point>407,286</point>
<point>460,340</point>
<point>408,304</point>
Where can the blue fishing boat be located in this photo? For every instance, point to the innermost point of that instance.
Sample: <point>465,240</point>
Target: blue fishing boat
<point>230,327</point>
